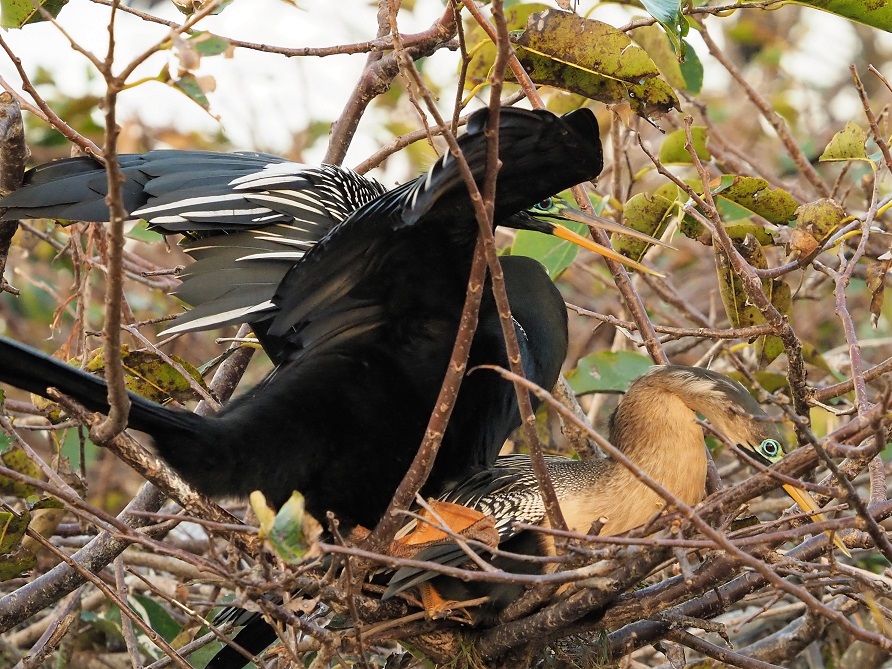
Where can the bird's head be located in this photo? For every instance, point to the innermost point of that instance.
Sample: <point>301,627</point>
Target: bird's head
<point>544,217</point>
<point>728,405</point>
<point>735,414</point>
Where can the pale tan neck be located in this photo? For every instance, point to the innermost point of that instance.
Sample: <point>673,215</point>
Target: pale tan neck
<point>659,432</point>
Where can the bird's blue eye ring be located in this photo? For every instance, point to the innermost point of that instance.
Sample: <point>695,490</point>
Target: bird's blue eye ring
<point>770,448</point>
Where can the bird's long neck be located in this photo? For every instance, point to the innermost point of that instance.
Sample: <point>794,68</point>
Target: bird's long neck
<point>658,431</point>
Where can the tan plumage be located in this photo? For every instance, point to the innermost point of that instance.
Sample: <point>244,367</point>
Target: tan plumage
<point>655,426</point>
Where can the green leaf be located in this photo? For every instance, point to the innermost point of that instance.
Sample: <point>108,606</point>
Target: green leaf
<point>847,144</point>
<point>17,13</point>
<point>71,448</point>
<point>556,254</point>
<point>673,150</point>
<point>158,618</point>
<point>692,69</point>
<point>607,371</point>
<point>200,658</point>
<point>288,533</point>
<point>208,44</point>
<point>686,74</point>
<point>192,88</point>
<point>877,13</point>
<point>108,622</point>
<point>45,503</point>
<point>668,13</point>
<point>140,232</point>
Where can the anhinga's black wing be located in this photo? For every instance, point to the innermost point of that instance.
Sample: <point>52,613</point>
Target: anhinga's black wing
<point>423,233</point>
<point>247,217</point>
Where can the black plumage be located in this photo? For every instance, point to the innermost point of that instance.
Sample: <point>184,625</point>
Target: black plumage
<point>363,327</point>
<point>247,218</point>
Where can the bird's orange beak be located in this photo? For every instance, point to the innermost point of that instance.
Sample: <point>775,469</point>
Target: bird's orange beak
<point>565,233</point>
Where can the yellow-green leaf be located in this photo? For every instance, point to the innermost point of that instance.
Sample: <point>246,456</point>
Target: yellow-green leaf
<point>769,347</point>
<point>481,48</point>
<point>673,148</point>
<point>739,231</point>
<point>740,310</point>
<point>17,460</point>
<point>847,144</point>
<point>149,375</point>
<point>592,59</point>
<point>262,511</point>
<point>12,529</point>
<point>812,356</point>
<point>17,13</point>
<point>822,218</point>
<point>289,533</point>
<point>877,13</point>
<point>656,43</point>
<point>645,213</point>
<point>815,223</point>
<point>590,45</point>
<point>773,204</point>
<point>741,313</point>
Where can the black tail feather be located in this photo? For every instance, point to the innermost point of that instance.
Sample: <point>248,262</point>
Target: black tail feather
<point>28,369</point>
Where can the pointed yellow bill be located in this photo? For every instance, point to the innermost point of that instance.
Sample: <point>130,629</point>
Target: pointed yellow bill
<point>808,504</point>
<point>566,233</point>
<point>605,224</point>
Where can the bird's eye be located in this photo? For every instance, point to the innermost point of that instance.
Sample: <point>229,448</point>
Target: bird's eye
<point>770,448</point>
<point>545,205</point>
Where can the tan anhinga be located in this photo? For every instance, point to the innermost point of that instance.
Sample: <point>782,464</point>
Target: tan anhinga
<point>656,427</point>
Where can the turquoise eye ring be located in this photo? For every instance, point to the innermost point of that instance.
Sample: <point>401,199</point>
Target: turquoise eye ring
<point>770,448</point>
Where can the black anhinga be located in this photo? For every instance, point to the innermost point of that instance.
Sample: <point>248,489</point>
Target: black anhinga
<point>362,325</point>
<point>655,426</point>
